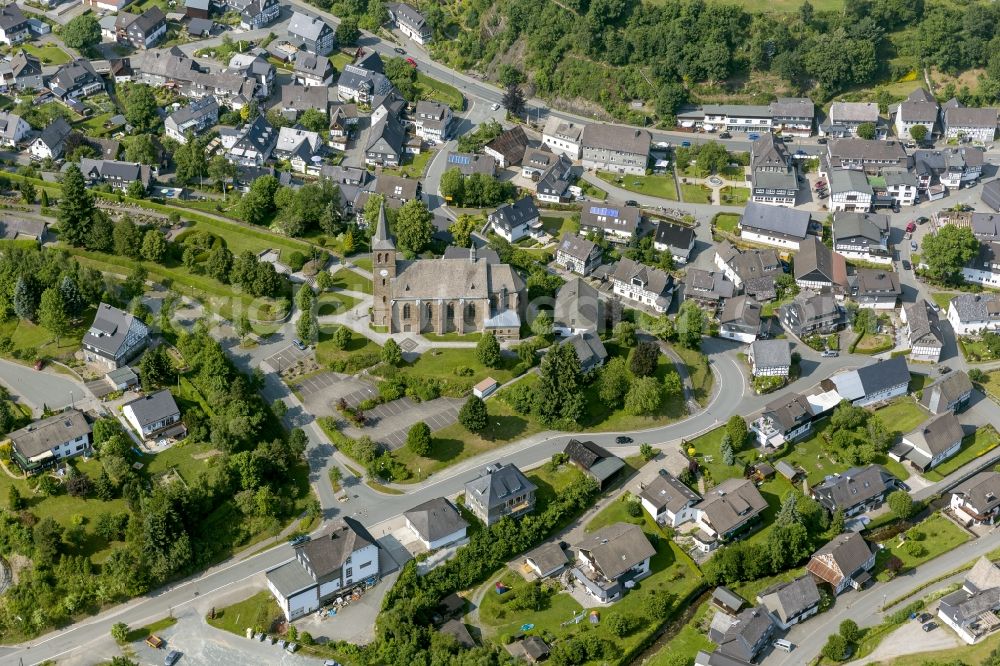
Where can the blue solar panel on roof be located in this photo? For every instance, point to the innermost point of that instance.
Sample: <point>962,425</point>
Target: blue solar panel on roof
<point>610,212</point>
<point>459,159</point>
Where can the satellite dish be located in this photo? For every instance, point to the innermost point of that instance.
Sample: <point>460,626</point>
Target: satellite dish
<point>317,159</point>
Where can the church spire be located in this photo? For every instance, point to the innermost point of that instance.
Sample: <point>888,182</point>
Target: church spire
<point>381,240</point>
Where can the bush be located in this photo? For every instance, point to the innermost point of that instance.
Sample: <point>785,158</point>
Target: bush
<point>835,648</point>
<point>915,549</point>
<point>296,260</point>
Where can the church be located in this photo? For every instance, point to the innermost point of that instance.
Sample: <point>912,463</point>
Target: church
<point>465,291</point>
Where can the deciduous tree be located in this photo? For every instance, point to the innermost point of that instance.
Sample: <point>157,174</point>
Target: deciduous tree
<point>414,227</point>
<point>418,439</point>
<point>946,252</point>
<point>473,416</point>
<point>644,396</point>
<point>52,313</point>
<point>488,350</point>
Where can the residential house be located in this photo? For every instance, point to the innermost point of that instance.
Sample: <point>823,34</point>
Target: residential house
<point>754,271</point>
<point>147,29</point>
<point>531,649</point>
<point>256,69</point>
<point>773,181</point>
<point>296,99</point>
<point>976,501</point>
<point>432,121</point>
<point>107,5</point>
<point>951,393</point>
<point>18,229</point>
<point>343,120</point>
<point>736,117</point>
<point>343,556</point>
<point>508,148</point>
<point>362,85</point>
<point>877,382</point>
<point>984,268</point>
<point>536,161</point>
<point>385,143</point>
<point>931,443</point>
<point>316,36</point>
<point>898,187</point>
<point>154,416</point>
<point>990,194</point>
<point>119,175</point>
<point>578,254</point>
<point>197,9</point>
<point>975,124</point>
<point>730,509</point>
<point>675,238</point>
<point>313,70</point>
<point>727,601</point>
<point>470,163</point>
<point>114,338</point>
<point>563,137</point>
<point>868,156</point>
<point>436,523</point>
<point>13,129</point>
<point>919,108</point>
<point>200,28</point>
<point>742,637</point>
<point>173,69</point>
<point>843,562</point>
<point>985,226</point>
<point>514,221</point>
<point>14,27</point>
<point>845,118</point>
<point>25,71</point>
<point>196,117</point>
<point>397,189</point>
<point>553,184</point>
<point>612,558</point>
<point>615,148</point>
<point>972,610</point>
<point>922,331</point>
<point>546,560</point>
<point>811,313</point>
<point>707,288</point>
<point>252,145</point>
<point>858,490</point>
<point>740,319</point>
<point>791,602</point>
<point>75,79</point>
<point>717,659</point>
<point>410,22</point>
<point>668,501</point>
<point>578,309</point>
<point>974,313</point>
<point>770,358</point>
<point>819,268</point>
<point>874,288</point>
<point>643,285</point>
<point>42,444</point>
<point>616,223</point>
<point>794,116</point>
<point>256,14</point>
<point>863,236</point>
<point>595,461</point>
<point>850,191</point>
<point>784,419</point>
<point>500,492</point>
<point>589,350</point>
<point>300,147</point>
<point>781,227</point>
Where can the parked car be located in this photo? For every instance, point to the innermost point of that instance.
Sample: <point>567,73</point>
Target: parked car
<point>632,202</point>
<point>824,195</point>
<point>923,220</point>
<point>944,369</point>
<point>800,152</point>
<point>302,538</point>
<point>172,658</point>
<point>411,62</point>
<point>924,618</point>
<point>930,626</point>
<point>830,353</point>
<point>753,137</point>
<point>299,345</point>
<point>911,226</point>
<point>725,135</point>
<point>819,183</point>
<point>821,141</point>
<point>686,144</point>
<point>400,50</point>
<point>155,641</point>
<point>906,264</point>
<point>913,245</point>
<point>495,106</point>
<point>622,439</point>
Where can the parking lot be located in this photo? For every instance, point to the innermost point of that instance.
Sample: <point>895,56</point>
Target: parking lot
<point>391,422</point>
<point>286,358</point>
<point>317,383</point>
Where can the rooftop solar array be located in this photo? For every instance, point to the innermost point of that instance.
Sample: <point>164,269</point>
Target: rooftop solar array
<point>608,212</point>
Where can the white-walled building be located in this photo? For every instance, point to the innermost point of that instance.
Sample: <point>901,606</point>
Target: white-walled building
<point>436,523</point>
<point>668,501</point>
<point>563,137</point>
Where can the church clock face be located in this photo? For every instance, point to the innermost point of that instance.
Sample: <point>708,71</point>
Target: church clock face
<point>384,272</point>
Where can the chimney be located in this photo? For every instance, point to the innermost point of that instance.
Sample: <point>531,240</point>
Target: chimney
<point>472,252</point>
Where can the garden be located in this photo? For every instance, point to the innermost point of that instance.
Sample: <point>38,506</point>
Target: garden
<point>734,196</point>
<point>663,187</point>
<point>726,222</point>
<point>978,444</point>
<point>921,543</point>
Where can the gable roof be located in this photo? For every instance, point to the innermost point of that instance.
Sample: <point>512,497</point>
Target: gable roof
<point>616,548</point>
<point>776,219</point>
<point>667,492</point>
<point>981,492</point>
<point>511,144</point>
<point>54,135</point>
<point>788,411</point>
<point>578,306</point>
<point>575,246</point>
<point>771,353</point>
<point>875,282</point>
<point>307,27</point>
<point>816,262</point>
<point>962,116</point>
<point>435,519</point>
<point>111,325</point>
<point>328,552</point>
<point>707,285</point>
<point>920,106</point>
<point>937,434</point>
<point>622,219</point>
<point>883,375</point>
<point>153,407</point>
<point>946,391</point>
<point>870,226</point>
<point>310,63</point>
<point>789,599</point>
<point>849,180</point>
<point>498,484</point>
<point>841,557</point>
<point>615,138</point>
<point>673,234</point>
<point>769,153</point>
<point>856,486</point>
<point>586,454</point>
<point>41,436</point>
<point>923,325</point>
<point>512,215</point>
<point>548,556</point>
<point>854,112</point>
<point>744,637</point>
<point>732,504</point>
<point>741,309</point>
<point>654,280</point>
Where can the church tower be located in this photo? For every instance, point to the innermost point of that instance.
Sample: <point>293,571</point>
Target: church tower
<point>383,272</point>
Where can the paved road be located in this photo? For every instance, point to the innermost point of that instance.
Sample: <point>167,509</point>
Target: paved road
<point>42,389</point>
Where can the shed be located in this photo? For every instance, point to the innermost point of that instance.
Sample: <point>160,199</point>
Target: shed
<point>787,471</point>
<point>485,388</point>
<point>546,560</point>
<point>726,600</point>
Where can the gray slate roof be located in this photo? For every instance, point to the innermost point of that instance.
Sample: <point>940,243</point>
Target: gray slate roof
<point>511,215</point>
<point>655,280</point>
<point>578,305</point>
<point>589,349</point>
<point>883,375</point>
<point>329,551</point>
<point>937,434</point>
<point>946,391</point>
<point>785,221</point>
<point>667,492</point>
<point>435,519</point>
<point>615,138</point>
<point>853,487</point>
<point>616,548</point>
<point>732,504</point>
<point>153,407</point>
<point>109,329</point>
<point>771,353</point>
<point>869,226</point>
<point>923,325</point>
<point>787,600</point>
<point>497,486</point>
<point>976,307</point>
<point>982,491</point>
<point>307,27</point>
<point>41,436</point>
<point>548,556</point>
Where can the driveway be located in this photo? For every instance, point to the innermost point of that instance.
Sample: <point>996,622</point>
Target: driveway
<point>911,639</point>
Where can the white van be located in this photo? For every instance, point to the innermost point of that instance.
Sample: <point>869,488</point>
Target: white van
<point>782,644</point>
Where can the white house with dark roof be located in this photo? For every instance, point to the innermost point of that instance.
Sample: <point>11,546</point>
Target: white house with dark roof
<point>612,557</point>
<point>251,145</point>
<point>900,185</point>
<point>643,285</point>
<point>470,163</point>
<point>436,523</point>
<point>432,120</point>
<point>791,602</point>
<point>119,175</point>
<point>616,223</point>
<point>501,491</point>
<point>578,308</point>
<point>819,268</point>
<point>155,415</point>
<point>593,460</point>
<point>810,313</point>
<point>508,149</point>
<point>668,501</point>
<point>410,22</point>
<point>729,509</point>
<point>974,313</point>
<point>843,562</point>
<point>578,254</point>
<point>196,117</point>
<point>707,288</point>
<point>740,319</point>
<point>770,225</point>
<point>52,141</point>
<point>951,393</point>
<point>876,382</point>
<point>773,180</point>
<point>857,490</point>
<point>385,142</point>
<point>784,419</point>
<point>590,351</point>
<point>850,191</point>
<point>115,338</point>
<point>313,70</point>
<point>675,238</point>
<point>931,443</point>
<point>740,638</point>
<point>919,108</point>
<point>972,609</point>
<point>316,36</point>
<point>754,270</point>
<point>977,499</point>
<point>615,148</point>
<point>923,331</point>
<point>14,26</point>
<point>13,129</point>
<point>978,124</point>
<point>845,118</point>
<point>870,156</point>
<point>43,443</point>
<point>863,236</point>
<point>770,358</point>
<point>514,221</point>
<point>563,137</point>
<point>546,560</point>
<point>874,288</point>
<point>343,556</point>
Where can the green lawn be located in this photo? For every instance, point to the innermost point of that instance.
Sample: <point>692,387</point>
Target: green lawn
<point>974,350</point>
<point>810,455</point>
<point>903,415</point>
<point>49,54</point>
<point>439,91</point>
<point>734,196</point>
<point>444,365</point>
<point>140,633</point>
<point>454,336</point>
<point>260,611</point>
<point>943,299</point>
<point>350,280</point>
<point>654,186</point>
<point>501,621</point>
<point>340,59</point>
<point>334,303</point>
<point>326,353</point>
<point>726,222</point>
<point>25,335</point>
<point>240,238</point>
<point>364,263</point>
<point>980,443</point>
<point>592,191</point>
<point>992,384</point>
<point>688,642</point>
<point>694,193</point>
<point>616,512</point>
<point>413,166</point>
<point>699,371</point>
<point>551,482</point>
<point>559,225</point>
<point>940,536</point>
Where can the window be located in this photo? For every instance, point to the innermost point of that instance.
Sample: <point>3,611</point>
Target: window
<point>406,311</point>
<point>348,572</point>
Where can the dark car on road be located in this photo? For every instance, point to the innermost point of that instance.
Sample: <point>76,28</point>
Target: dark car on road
<point>623,440</point>
<point>172,658</point>
<point>906,264</point>
<point>399,50</point>
<point>685,144</point>
<point>632,202</point>
<point>930,626</point>
<point>725,135</point>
